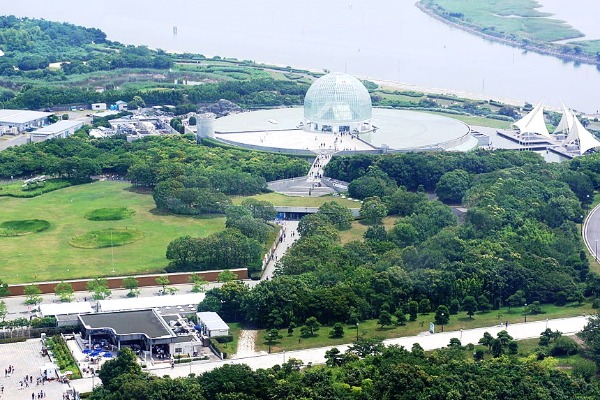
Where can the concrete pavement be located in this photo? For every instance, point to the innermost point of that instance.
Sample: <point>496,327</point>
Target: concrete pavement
<point>591,231</point>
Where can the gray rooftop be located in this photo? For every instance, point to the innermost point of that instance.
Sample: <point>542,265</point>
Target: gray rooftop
<point>58,127</point>
<point>21,116</point>
<point>129,322</point>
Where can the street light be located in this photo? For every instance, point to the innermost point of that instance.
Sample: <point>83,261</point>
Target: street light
<point>525,312</point>
<point>357,331</point>
<point>596,252</point>
<point>461,334</point>
<point>442,321</point>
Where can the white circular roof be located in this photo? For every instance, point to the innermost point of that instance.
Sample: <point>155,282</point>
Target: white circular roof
<point>337,98</point>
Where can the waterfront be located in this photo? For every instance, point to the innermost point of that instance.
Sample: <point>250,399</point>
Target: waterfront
<point>380,39</point>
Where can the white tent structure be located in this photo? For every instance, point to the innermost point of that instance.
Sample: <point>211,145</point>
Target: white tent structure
<point>579,136</point>
<point>533,123</point>
<point>566,122</point>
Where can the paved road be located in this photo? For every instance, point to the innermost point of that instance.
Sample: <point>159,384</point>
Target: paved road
<point>568,326</point>
<point>591,231</point>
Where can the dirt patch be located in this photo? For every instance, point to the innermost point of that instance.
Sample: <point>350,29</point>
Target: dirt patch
<point>246,343</point>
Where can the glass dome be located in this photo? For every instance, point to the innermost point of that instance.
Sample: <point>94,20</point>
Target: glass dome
<point>337,98</point>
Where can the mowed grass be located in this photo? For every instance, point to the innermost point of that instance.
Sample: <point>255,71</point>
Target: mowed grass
<point>49,256</point>
<point>109,214</point>
<point>106,238</point>
<point>478,121</point>
<point>297,201</point>
<point>358,230</point>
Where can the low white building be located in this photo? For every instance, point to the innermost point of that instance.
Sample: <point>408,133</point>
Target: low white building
<point>211,324</point>
<point>61,129</point>
<point>22,120</point>
<point>98,106</point>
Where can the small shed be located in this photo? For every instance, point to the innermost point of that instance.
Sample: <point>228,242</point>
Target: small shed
<point>98,106</point>
<point>211,324</point>
<point>121,105</point>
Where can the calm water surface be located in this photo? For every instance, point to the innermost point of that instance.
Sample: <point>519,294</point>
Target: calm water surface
<point>384,39</point>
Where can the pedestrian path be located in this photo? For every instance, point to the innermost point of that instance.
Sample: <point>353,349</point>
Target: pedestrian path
<point>568,326</point>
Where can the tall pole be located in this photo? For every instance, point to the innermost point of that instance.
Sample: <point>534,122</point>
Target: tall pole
<point>596,252</point>
<point>357,331</point>
<point>112,252</point>
<point>525,312</point>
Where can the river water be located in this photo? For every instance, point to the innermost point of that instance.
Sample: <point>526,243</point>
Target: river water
<point>384,39</point>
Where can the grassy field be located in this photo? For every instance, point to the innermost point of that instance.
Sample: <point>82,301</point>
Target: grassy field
<point>510,17</point>
<point>477,121</point>
<point>370,328</point>
<point>48,256</point>
<point>282,200</point>
<point>358,230</point>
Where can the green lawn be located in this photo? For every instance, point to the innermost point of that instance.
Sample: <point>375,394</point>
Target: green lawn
<point>48,256</point>
<point>477,121</point>
<point>282,200</point>
<point>358,230</point>
<point>370,328</point>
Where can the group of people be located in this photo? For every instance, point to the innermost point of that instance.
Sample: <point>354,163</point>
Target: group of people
<point>40,395</point>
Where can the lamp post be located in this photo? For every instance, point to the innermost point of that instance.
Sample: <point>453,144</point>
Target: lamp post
<point>442,321</point>
<point>596,252</point>
<point>357,331</point>
<point>525,312</point>
<point>461,334</point>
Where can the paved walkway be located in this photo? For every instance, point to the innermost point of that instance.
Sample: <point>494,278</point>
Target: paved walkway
<point>591,231</point>
<point>568,326</point>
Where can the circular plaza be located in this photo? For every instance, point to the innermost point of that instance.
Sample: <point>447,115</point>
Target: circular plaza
<point>338,117</point>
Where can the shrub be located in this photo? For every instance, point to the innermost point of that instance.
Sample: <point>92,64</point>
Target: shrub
<point>224,339</point>
<point>563,346</point>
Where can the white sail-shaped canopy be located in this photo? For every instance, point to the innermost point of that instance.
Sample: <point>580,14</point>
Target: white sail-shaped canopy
<point>583,136</point>
<point>566,122</point>
<point>534,122</point>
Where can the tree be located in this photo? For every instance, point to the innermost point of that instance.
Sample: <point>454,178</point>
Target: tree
<point>584,369</point>
<point>312,324</point>
<point>373,210</point>
<point>484,304</point>
<point>226,276</point>
<point>64,291</point>
<point>3,310</point>
<point>469,305</point>
<point>163,281</point>
<point>442,316</point>
<point>199,283</point>
<point>4,288</point>
<point>452,186</point>
<point>425,306</point>
<point>516,300</point>
<point>124,363</point>
<point>131,283</point>
<point>367,346</point>
<point>454,306</point>
<point>334,357</point>
<point>99,288</point>
<point>413,309</point>
<point>400,317</point>
<point>337,331</point>
<point>385,318</point>
<point>486,340</point>
<point>290,329</point>
<point>337,215</point>
<point>271,337</point>
<point>65,117</point>
<point>32,295</point>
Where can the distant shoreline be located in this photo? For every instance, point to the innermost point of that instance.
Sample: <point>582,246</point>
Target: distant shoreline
<point>547,49</point>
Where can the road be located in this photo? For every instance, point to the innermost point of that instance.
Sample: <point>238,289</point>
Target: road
<point>568,326</point>
<point>591,231</point>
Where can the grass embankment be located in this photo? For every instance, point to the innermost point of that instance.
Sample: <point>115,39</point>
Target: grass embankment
<point>16,189</point>
<point>370,328</point>
<point>50,257</point>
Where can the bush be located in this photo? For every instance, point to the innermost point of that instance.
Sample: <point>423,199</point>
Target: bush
<point>596,303</point>
<point>224,339</point>
<point>219,348</point>
<point>585,369</point>
<point>563,346</point>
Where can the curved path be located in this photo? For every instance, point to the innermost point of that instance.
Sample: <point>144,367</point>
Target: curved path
<point>590,231</point>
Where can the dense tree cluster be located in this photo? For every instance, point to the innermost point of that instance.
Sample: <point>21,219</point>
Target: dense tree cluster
<point>152,160</point>
<point>366,371</point>
<point>518,243</point>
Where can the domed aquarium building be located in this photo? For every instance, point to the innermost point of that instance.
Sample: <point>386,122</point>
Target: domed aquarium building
<point>338,117</point>
<point>337,103</point>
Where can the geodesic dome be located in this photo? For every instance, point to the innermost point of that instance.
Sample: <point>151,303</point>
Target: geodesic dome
<point>337,98</point>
